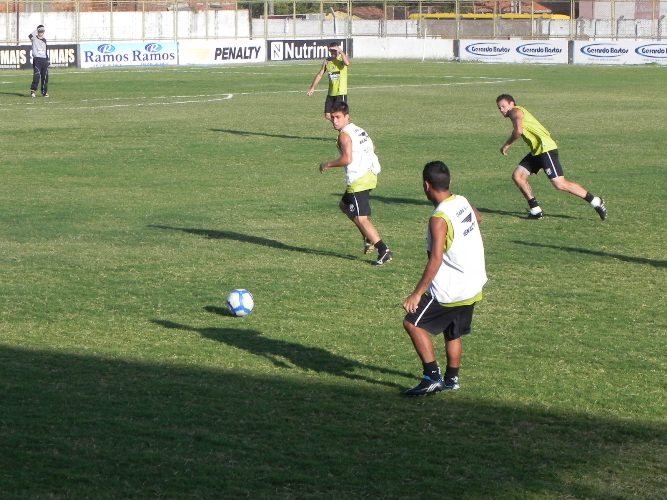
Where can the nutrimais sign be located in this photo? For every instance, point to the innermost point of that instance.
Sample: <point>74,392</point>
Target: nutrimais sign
<point>300,50</point>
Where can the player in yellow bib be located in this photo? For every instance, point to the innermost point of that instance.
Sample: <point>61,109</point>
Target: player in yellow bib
<point>361,164</point>
<point>543,156</point>
<point>335,66</point>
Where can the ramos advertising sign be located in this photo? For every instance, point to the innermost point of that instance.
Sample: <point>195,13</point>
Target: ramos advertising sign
<point>98,55</point>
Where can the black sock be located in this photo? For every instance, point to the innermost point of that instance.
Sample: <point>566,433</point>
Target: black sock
<point>450,373</point>
<point>532,203</point>
<point>589,197</point>
<point>382,248</point>
<point>432,370</point>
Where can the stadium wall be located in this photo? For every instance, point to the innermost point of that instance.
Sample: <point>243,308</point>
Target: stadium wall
<point>403,48</point>
<point>117,24</point>
<point>225,51</point>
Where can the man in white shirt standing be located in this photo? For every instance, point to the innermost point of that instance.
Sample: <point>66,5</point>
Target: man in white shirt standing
<point>444,299</point>
<point>40,62</point>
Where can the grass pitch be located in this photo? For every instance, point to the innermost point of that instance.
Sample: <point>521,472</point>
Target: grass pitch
<point>134,200</point>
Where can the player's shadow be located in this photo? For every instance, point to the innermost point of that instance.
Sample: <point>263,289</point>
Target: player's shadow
<point>217,234</point>
<point>20,94</point>
<point>520,215</point>
<point>284,354</point>
<point>598,253</point>
<point>397,200</point>
<point>247,133</point>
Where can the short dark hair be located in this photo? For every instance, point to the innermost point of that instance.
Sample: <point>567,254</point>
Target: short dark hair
<point>340,106</point>
<point>505,97</point>
<point>437,174</point>
<point>333,44</point>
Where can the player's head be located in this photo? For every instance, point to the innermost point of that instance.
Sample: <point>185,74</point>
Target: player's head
<point>41,29</point>
<point>340,115</point>
<point>333,49</point>
<point>340,106</point>
<point>436,176</point>
<point>505,97</point>
<point>505,103</point>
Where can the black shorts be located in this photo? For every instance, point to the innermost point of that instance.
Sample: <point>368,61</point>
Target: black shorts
<point>546,161</point>
<point>435,318</point>
<point>331,99</point>
<point>358,203</point>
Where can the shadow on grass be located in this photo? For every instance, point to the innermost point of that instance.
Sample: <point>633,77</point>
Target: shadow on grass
<point>598,253</point>
<point>394,200</point>
<point>75,426</point>
<point>281,353</point>
<point>521,215</point>
<point>20,94</point>
<point>246,133</point>
<point>217,234</point>
<point>220,311</point>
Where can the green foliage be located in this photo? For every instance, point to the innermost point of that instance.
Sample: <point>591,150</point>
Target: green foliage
<point>134,200</point>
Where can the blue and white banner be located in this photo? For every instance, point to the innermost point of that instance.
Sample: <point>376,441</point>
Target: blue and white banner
<point>514,51</point>
<point>619,52</point>
<point>98,55</point>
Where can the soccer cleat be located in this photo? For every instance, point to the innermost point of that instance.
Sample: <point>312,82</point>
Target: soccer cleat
<point>32,93</point>
<point>451,384</point>
<point>601,210</point>
<point>538,215</point>
<point>426,387</point>
<point>368,247</point>
<point>384,258</point>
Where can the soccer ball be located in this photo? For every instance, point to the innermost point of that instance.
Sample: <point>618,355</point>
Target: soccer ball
<point>240,302</point>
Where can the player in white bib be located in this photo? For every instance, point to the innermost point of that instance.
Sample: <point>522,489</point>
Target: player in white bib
<point>357,156</point>
<point>444,299</point>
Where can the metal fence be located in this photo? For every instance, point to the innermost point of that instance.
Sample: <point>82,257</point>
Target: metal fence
<point>91,20</point>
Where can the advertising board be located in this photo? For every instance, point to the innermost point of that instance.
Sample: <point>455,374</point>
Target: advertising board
<point>99,55</point>
<point>514,51</point>
<point>619,52</point>
<point>215,52</point>
<point>20,57</point>
<point>299,50</point>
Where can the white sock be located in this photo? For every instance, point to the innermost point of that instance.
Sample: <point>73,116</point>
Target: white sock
<point>535,210</point>
<point>596,202</point>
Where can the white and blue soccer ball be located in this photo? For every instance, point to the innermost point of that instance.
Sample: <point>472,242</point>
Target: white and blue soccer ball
<point>240,302</point>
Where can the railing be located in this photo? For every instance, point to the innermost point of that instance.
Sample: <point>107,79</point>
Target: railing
<point>91,20</point>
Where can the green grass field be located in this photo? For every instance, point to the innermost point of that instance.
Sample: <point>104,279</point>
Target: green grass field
<point>132,201</point>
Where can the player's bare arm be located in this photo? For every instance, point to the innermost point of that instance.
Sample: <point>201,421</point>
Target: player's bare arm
<point>478,215</point>
<point>438,228</point>
<point>516,115</point>
<point>344,56</point>
<point>316,80</point>
<point>345,158</point>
